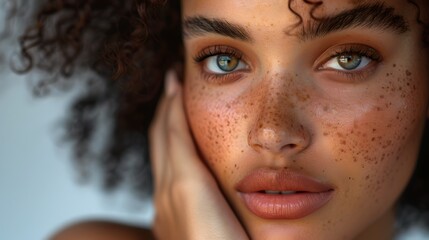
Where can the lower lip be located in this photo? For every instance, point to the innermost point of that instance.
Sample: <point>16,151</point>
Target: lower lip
<point>291,206</point>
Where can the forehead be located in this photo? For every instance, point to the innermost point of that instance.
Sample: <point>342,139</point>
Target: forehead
<point>333,6</point>
<point>319,17</point>
<point>255,8</point>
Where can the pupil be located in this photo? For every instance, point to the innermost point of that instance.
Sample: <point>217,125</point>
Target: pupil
<point>350,61</point>
<point>227,63</point>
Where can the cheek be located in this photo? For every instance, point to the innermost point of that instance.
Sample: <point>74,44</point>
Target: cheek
<point>217,125</point>
<point>378,144</point>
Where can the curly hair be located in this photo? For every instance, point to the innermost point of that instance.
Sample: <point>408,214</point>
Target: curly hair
<point>130,45</point>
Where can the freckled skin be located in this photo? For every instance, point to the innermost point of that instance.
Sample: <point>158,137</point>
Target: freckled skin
<point>361,137</point>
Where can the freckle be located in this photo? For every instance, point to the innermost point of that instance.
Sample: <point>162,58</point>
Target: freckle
<point>394,65</point>
<point>325,108</point>
<point>408,73</point>
<point>245,116</point>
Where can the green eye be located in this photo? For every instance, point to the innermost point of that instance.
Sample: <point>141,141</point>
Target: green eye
<point>349,61</point>
<point>221,64</point>
<point>227,63</point>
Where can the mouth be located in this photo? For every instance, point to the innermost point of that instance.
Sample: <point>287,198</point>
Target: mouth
<point>282,194</point>
<point>279,192</point>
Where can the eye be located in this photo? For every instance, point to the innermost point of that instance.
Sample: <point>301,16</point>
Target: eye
<point>351,58</point>
<point>223,64</point>
<point>348,62</point>
<point>220,60</point>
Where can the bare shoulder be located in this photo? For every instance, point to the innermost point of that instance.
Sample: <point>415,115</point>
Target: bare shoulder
<point>102,230</point>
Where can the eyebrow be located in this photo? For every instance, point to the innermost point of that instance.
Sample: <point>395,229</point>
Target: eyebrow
<point>197,26</point>
<point>367,15</point>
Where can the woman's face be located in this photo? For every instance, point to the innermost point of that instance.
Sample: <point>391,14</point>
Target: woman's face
<point>312,130</point>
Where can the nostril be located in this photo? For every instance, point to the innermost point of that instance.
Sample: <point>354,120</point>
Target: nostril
<point>256,146</point>
<point>290,146</point>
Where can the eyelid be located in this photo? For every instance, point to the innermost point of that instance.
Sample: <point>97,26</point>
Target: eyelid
<point>349,76</point>
<point>220,78</point>
<point>216,50</point>
<point>355,48</point>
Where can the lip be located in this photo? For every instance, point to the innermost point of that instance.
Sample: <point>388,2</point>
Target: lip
<point>310,194</point>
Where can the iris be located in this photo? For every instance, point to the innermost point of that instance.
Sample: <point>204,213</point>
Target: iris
<point>349,61</point>
<point>227,63</point>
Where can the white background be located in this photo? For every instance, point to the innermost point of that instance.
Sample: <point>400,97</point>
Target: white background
<point>38,189</point>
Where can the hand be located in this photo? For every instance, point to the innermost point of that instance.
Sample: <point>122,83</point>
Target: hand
<point>188,202</point>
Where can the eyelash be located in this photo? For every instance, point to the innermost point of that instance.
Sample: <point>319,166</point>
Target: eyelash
<point>358,49</point>
<point>218,50</point>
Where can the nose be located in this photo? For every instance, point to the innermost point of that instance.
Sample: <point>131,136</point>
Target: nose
<point>279,127</point>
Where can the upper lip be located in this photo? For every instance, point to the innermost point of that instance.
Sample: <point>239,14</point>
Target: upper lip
<point>280,180</point>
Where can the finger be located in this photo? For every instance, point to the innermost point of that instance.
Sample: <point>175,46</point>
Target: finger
<point>158,130</point>
<point>156,139</point>
<point>185,157</point>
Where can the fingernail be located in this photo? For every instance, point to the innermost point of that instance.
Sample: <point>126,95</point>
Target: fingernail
<point>171,84</point>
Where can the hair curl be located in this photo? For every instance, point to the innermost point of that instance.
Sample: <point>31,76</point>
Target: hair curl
<point>130,45</point>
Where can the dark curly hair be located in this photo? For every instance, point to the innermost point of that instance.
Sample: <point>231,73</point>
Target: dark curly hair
<point>130,45</point>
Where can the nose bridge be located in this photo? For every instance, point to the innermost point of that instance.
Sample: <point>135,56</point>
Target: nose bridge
<point>277,128</point>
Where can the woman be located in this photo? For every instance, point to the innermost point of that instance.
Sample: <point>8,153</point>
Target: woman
<point>293,119</point>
